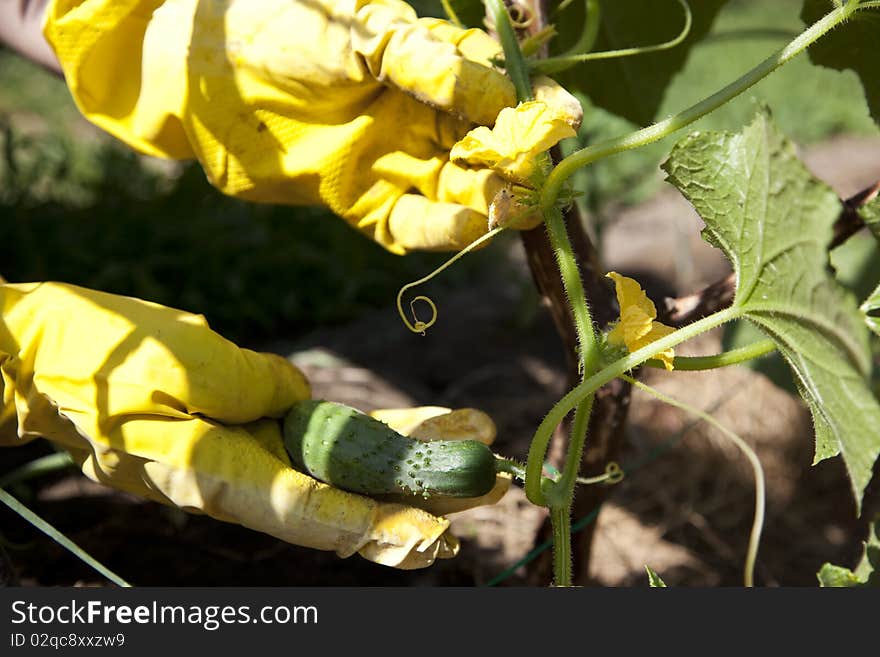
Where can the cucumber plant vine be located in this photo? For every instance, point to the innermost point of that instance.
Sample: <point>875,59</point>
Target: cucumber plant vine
<point>772,220</point>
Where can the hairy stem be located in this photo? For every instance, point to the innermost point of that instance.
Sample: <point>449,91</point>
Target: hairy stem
<point>560,511</point>
<point>560,519</point>
<point>514,62</point>
<point>574,288</point>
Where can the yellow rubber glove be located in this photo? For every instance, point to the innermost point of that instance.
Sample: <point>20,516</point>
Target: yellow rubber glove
<point>150,400</point>
<point>345,103</point>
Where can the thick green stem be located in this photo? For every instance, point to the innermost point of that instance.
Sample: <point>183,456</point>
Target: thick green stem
<point>541,440</point>
<point>724,359</point>
<point>560,515</point>
<point>575,448</point>
<point>564,170</point>
<point>574,289</point>
<point>514,62</point>
<point>560,520</point>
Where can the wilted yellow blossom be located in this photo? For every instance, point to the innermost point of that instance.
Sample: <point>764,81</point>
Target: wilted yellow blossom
<point>520,134</point>
<point>637,327</point>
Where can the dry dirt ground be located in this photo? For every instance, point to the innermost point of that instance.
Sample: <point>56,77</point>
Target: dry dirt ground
<point>684,508</point>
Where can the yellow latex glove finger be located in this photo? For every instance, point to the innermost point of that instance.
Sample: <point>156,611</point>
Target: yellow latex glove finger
<point>433,61</point>
<point>149,400</point>
<point>353,105</point>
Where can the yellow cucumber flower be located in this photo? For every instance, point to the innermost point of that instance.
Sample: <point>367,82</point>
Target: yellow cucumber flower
<point>637,326</point>
<point>519,136</point>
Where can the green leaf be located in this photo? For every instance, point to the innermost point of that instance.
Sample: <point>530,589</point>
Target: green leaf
<point>631,87</point>
<point>654,579</point>
<point>773,221</point>
<point>854,45</point>
<point>837,576</point>
<point>866,573</point>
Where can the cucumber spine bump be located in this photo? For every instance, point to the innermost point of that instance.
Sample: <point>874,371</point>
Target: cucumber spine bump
<point>345,448</point>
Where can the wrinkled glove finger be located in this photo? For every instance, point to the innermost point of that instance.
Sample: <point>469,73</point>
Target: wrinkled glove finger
<point>429,59</point>
<point>416,223</point>
<point>242,474</point>
<point>437,179</point>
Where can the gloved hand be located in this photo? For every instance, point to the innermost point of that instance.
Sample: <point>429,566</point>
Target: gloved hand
<point>150,400</point>
<point>345,103</point>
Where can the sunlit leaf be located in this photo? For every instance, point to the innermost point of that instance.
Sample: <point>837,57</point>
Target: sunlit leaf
<point>654,579</point>
<point>774,221</point>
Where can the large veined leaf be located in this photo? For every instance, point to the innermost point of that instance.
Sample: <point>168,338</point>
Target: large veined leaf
<point>773,221</point>
<point>866,573</point>
<point>853,45</point>
<point>631,87</point>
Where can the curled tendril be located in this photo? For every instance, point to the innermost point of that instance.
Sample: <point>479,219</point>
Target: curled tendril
<point>615,472</point>
<point>613,475</point>
<point>521,16</point>
<point>420,326</point>
<point>562,62</point>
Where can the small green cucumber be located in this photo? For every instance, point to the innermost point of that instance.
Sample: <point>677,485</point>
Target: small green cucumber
<point>345,448</point>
